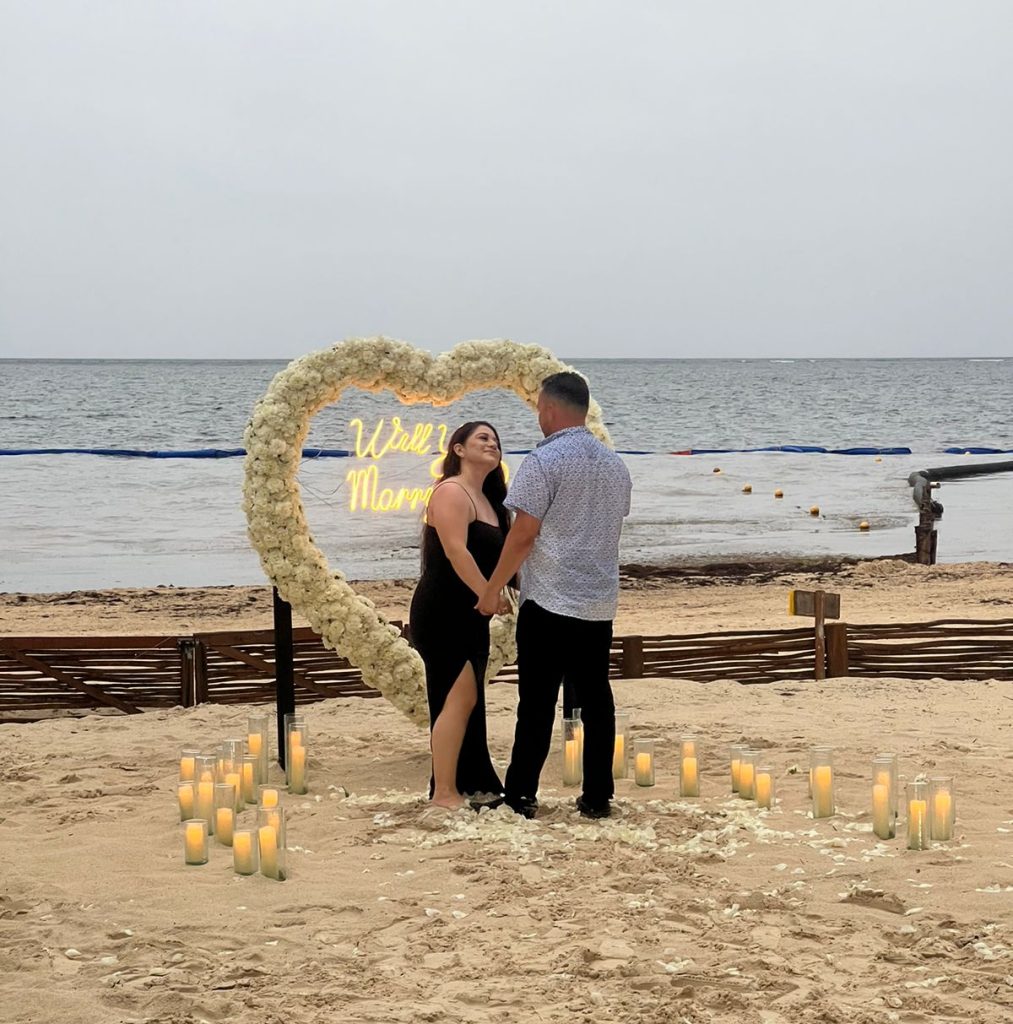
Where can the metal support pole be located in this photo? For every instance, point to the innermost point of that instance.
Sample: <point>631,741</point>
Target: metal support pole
<point>284,681</point>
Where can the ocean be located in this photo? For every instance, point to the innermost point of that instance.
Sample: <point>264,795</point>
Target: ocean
<point>85,521</point>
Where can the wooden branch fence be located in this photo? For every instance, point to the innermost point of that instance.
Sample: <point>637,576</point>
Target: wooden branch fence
<point>130,674</point>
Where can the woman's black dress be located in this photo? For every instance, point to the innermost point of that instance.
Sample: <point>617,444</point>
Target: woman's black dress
<point>448,632</point>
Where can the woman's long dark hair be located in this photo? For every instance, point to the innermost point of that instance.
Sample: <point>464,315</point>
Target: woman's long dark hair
<point>494,486</point>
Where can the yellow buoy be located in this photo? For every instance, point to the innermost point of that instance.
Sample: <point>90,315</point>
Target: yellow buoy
<point>863,525</point>
<point>747,488</point>
<point>815,510</point>
<point>879,458</point>
<point>779,493</point>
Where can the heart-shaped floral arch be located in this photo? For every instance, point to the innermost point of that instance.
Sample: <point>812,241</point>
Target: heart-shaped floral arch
<point>348,622</point>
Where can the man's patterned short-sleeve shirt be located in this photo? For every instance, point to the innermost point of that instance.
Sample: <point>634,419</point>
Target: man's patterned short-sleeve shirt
<point>580,490</point>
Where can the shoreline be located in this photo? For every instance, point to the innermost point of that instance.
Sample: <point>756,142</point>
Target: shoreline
<point>688,596</point>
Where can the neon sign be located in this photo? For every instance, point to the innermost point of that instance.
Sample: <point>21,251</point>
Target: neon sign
<point>365,492</point>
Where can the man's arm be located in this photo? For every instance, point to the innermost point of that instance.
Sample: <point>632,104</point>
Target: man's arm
<point>519,542</point>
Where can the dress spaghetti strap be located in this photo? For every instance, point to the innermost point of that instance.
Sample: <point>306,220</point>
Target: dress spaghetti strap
<point>451,480</point>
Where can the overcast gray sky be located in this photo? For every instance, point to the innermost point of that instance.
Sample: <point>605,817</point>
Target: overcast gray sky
<point>254,179</point>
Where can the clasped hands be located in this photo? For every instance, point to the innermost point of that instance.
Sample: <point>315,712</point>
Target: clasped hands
<point>493,602</point>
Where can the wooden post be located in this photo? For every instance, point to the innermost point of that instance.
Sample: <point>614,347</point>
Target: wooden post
<point>819,606</point>
<point>284,680</point>
<point>633,657</point>
<point>837,650</point>
<point>926,537</point>
<point>185,646</point>
<point>200,673</point>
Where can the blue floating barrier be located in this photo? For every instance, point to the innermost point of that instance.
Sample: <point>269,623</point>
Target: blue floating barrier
<point>978,451</point>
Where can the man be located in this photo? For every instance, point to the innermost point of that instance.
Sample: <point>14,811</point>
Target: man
<point>570,496</point>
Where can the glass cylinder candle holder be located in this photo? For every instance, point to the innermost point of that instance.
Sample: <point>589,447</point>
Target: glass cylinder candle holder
<point>734,764</point>
<point>578,716</point>
<point>195,841</point>
<point>269,796</point>
<point>747,774</point>
<point>296,743</point>
<point>188,764</point>
<point>917,799</point>
<point>941,809</point>
<point>257,745</point>
<point>245,851</point>
<point>225,812</point>
<point>689,767</point>
<point>271,842</point>
<point>884,772</point>
<point>249,777</point>
<point>572,764</point>
<point>620,751</point>
<point>205,809</point>
<point>643,762</point>
<point>206,768</point>
<point>822,773</point>
<point>186,795</point>
<point>816,754</point>
<point>763,786</point>
<point>230,754</point>
<point>884,796</point>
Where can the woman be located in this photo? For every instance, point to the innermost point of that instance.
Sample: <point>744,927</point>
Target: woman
<point>466,524</point>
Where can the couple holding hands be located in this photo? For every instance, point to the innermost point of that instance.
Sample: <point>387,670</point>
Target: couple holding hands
<point>568,498</point>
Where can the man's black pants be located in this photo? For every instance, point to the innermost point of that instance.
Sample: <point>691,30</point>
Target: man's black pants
<point>549,647</point>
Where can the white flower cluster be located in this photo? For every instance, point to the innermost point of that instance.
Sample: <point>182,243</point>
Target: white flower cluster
<point>274,439</point>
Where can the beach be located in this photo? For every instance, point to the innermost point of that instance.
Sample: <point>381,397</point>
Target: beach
<point>673,910</point>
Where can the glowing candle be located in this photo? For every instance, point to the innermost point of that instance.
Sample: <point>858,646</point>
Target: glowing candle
<point>747,776</point>
<point>187,766</point>
<point>187,796</point>
<point>917,812</point>
<point>571,762</point>
<point>235,779</point>
<point>763,785</point>
<point>195,842</point>
<point>941,828</point>
<point>244,852</point>
<point>254,744</point>
<point>620,761</point>
<point>823,791</point>
<point>269,796</point>
<point>297,770</point>
<point>882,819</point>
<point>225,819</point>
<point>267,838</point>
<point>689,779</point>
<point>295,737</point>
<point>206,802</point>
<point>249,783</point>
<point>736,768</point>
<point>643,762</point>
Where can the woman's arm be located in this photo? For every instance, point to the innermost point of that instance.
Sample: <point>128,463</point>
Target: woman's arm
<point>450,512</point>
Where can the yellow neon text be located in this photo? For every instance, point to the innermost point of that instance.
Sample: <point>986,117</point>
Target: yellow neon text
<point>367,495</point>
<point>365,492</point>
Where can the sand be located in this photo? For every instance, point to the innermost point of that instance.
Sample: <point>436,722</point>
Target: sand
<point>674,910</point>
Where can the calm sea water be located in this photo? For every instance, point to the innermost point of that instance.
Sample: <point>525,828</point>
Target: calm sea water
<point>77,521</point>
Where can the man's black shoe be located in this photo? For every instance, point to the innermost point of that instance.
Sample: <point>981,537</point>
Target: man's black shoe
<point>588,811</point>
<point>523,805</point>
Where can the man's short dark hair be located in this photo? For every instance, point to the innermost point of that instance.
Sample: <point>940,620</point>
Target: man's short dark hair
<point>569,388</point>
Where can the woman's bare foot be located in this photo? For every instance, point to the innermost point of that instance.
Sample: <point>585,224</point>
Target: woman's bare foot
<point>452,801</point>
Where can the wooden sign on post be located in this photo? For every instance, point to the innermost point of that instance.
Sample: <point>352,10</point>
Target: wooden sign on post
<point>819,605</point>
